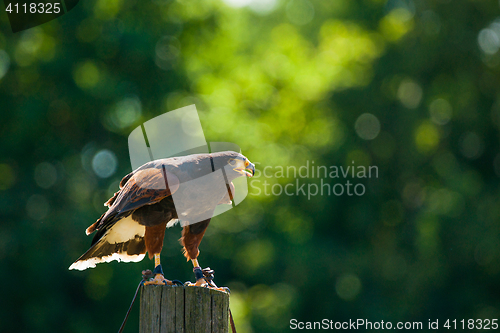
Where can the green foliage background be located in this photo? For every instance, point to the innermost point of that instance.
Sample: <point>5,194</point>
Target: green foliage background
<point>287,80</point>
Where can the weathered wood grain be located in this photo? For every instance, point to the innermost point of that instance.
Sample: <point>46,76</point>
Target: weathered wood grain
<point>183,309</point>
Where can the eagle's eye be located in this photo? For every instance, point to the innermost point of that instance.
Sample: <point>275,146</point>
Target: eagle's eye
<point>233,162</point>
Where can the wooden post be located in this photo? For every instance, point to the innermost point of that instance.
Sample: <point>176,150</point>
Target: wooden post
<point>182,309</point>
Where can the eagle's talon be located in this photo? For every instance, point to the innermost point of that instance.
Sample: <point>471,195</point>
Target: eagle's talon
<point>199,283</point>
<point>204,284</point>
<point>223,289</point>
<point>158,280</point>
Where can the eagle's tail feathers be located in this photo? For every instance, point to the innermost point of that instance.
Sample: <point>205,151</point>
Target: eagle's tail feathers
<point>124,241</point>
<point>131,251</point>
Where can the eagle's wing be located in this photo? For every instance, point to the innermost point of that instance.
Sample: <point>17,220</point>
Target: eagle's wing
<point>139,188</point>
<point>145,187</point>
<point>119,236</point>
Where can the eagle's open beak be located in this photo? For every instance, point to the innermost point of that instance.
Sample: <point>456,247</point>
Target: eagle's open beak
<point>250,169</point>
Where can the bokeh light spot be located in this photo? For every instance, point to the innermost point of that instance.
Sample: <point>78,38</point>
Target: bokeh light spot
<point>28,47</point>
<point>348,287</point>
<point>396,24</point>
<point>257,255</point>
<point>441,201</point>
<point>86,75</point>
<point>441,111</point>
<point>263,7</point>
<point>488,41</point>
<point>426,137</point>
<point>367,126</point>
<point>167,50</point>
<point>107,9</point>
<point>104,163</point>
<point>124,113</point>
<point>409,93</point>
<point>80,188</point>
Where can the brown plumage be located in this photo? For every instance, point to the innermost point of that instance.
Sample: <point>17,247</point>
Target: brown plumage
<point>154,196</point>
<point>154,238</point>
<point>191,239</point>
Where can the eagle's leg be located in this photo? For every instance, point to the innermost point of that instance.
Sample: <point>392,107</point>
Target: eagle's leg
<point>153,239</point>
<point>201,279</point>
<point>191,239</point>
<point>159,279</point>
<point>198,274</point>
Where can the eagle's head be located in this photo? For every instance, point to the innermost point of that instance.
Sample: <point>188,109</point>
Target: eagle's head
<point>235,164</point>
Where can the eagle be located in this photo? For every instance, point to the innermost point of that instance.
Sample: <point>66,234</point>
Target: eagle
<point>156,196</point>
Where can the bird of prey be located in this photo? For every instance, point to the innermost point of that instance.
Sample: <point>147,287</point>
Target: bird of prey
<point>157,195</point>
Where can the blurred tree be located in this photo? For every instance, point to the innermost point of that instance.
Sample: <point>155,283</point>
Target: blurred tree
<point>408,87</point>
